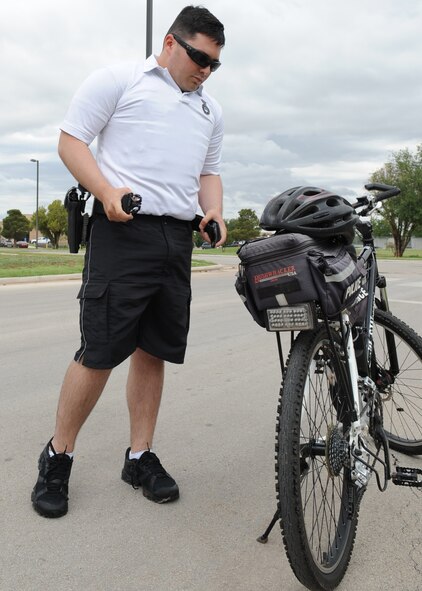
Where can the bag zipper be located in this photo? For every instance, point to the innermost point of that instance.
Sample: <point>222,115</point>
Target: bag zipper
<point>265,256</point>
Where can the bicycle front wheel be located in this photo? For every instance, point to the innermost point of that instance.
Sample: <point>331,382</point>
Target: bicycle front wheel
<point>399,381</point>
<point>317,500</point>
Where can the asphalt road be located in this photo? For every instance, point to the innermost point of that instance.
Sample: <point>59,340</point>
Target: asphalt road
<point>215,436</point>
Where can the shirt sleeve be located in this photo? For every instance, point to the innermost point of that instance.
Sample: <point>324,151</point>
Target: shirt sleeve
<point>212,162</point>
<point>92,105</point>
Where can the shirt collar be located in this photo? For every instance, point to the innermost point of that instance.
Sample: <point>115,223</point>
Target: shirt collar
<point>152,64</point>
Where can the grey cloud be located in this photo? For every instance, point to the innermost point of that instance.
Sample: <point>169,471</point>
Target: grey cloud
<point>313,92</point>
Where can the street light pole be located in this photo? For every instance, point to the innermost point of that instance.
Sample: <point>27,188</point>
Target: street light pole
<point>149,28</point>
<point>36,208</point>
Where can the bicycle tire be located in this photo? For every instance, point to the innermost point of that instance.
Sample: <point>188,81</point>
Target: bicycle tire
<point>318,505</point>
<point>402,399</point>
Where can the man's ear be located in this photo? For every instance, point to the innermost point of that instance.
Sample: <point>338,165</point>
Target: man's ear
<point>169,42</point>
<point>168,45</point>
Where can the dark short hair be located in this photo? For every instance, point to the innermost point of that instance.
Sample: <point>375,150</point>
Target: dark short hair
<point>197,19</point>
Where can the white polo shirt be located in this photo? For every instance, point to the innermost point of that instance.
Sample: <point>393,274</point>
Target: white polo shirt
<point>152,137</point>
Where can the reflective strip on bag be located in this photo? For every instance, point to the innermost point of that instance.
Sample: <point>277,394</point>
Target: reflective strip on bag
<point>338,277</point>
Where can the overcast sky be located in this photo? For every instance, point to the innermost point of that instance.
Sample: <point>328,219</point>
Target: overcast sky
<point>317,92</point>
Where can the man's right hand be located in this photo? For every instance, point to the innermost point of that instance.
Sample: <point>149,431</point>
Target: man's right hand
<point>112,203</point>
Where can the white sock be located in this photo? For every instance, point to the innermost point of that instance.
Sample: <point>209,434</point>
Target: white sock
<point>137,454</point>
<point>51,453</point>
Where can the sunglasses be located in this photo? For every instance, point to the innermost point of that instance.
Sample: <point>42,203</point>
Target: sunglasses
<point>197,56</point>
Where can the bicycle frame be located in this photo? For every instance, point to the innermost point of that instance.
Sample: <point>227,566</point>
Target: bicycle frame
<point>359,381</point>
<point>358,373</point>
<point>375,280</point>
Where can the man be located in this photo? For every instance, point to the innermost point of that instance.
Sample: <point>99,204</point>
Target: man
<point>159,135</point>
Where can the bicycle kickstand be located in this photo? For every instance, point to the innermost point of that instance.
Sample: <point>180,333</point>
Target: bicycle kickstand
<point>264,538</point>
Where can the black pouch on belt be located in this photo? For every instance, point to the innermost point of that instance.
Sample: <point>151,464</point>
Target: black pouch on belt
<point>77,219</point>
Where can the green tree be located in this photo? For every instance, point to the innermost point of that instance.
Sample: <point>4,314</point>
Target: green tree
<point>15,225</point>
<point>244,227</point>
<point>381,227</point>
<point>403,213</point>
<point>52,222</point>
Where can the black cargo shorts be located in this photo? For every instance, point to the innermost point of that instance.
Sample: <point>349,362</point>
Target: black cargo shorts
<point>136,290</point>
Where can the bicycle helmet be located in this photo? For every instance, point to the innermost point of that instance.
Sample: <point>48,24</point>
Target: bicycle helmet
<point>311,211</point>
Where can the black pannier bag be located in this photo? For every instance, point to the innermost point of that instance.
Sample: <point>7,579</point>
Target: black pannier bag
<point>275,272</point>
<point>340,281</point>
<point>289,269</point>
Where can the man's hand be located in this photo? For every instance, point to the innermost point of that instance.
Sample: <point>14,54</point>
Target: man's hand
<point>112,203</point>
<point>213,214</point>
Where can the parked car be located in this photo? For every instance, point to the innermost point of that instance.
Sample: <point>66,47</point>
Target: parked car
<point>44,242</point>
<point>205,245</point>
<point>6,243</point>
<point>21,244</point>
<point>41,240</point>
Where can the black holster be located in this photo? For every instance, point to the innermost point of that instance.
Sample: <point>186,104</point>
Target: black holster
<point>77,219</point>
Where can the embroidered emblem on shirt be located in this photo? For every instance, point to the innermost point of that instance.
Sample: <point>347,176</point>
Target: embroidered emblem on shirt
<point>205,107</point>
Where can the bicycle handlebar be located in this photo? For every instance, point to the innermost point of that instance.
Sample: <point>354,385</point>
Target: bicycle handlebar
<point>387,191</point>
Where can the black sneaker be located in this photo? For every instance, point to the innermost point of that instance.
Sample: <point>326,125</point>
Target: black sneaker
<point>157,484</point>
<point>50,494</point>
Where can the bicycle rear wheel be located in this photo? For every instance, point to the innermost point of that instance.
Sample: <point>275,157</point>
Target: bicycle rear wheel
<point>400,389</point>
<point>317,500</point>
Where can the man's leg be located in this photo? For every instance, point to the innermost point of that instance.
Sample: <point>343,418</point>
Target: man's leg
<point>82,387</point>
<point>144,389</point>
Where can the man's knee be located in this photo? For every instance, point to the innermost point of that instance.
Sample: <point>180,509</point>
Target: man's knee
<point>144,359</point>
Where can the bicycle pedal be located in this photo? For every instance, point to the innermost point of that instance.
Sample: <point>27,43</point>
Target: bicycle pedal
<point>408,477</point>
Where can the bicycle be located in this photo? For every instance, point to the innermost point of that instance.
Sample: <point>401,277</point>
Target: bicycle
<point>350,391</point>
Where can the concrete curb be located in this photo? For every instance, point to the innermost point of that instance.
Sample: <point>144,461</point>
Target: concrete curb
<point>78,276</point>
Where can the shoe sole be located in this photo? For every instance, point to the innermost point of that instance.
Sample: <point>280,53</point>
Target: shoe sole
<point>158,499</point>
<point>149,495</point>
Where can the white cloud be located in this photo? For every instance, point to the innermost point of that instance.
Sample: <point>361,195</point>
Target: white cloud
<point>313,91</point>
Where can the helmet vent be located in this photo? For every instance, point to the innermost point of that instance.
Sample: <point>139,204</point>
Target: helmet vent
<point>312,209</point>
<point>332,202</point>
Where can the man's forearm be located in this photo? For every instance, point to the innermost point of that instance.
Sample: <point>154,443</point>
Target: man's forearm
<point>80,162</point>
<point>210,199</point>
<point>211,194</point>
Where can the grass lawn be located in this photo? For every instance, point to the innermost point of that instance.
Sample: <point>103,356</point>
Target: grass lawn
<point>29,263</point>
<point>382,253</point>
<point>232,250</point>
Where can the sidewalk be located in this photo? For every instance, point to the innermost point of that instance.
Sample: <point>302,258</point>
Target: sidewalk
<point>78,276</point>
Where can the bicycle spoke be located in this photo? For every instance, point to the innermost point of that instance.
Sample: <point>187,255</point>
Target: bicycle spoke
<point>402,393</point>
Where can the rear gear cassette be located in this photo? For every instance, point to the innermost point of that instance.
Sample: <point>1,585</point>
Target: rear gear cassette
<point>336,451</point>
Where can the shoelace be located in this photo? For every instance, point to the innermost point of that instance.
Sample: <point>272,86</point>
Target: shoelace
<point>57,473</point>
<point>152,464</point>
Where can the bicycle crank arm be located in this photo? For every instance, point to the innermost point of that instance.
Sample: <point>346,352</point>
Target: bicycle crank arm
<point>408,477</point>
